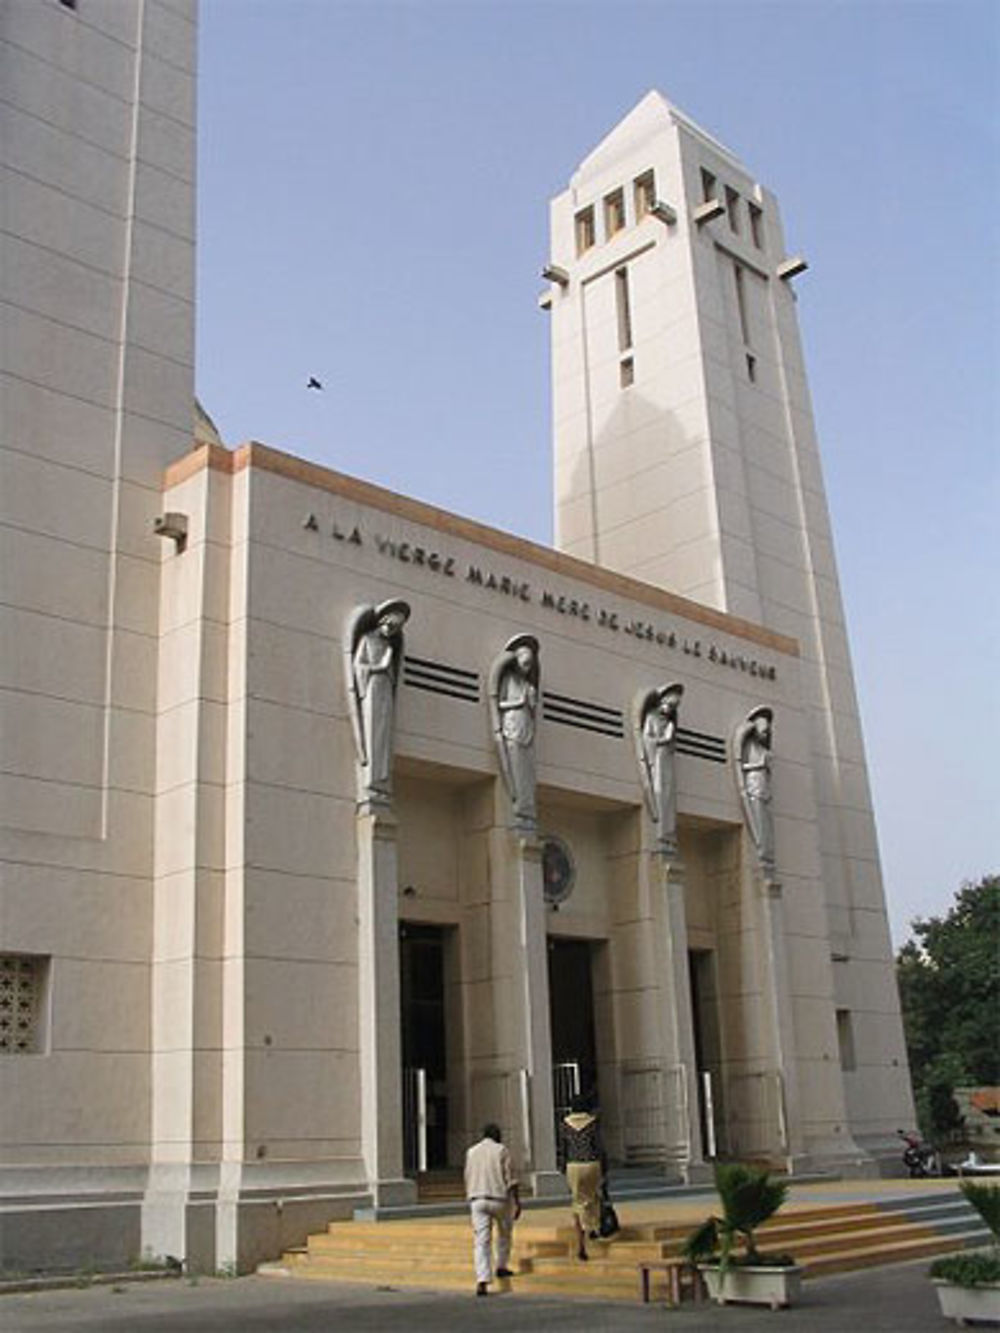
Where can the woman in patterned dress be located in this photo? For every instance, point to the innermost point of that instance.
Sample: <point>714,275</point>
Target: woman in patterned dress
<point>582,1150</point>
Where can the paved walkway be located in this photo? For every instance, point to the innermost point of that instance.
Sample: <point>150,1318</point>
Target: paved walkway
<point>899,1299</point>
<point>876,1301</point>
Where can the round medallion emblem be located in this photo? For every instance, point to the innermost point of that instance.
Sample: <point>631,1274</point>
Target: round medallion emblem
<point>558,870</point>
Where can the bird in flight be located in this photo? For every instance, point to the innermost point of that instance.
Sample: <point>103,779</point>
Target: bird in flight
<point>314,383</point>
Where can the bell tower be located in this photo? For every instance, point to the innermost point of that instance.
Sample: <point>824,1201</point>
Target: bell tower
<point>685,455</point>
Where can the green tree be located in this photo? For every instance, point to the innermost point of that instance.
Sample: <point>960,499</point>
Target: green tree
<point>949,988</point>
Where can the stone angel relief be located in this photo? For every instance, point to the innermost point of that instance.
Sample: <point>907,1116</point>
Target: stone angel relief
<point>513,699</point>
<point>752,762</point>
<point>654,729</point>
<point>373,654</point>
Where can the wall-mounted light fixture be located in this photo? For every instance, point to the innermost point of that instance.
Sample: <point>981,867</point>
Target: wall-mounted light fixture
<point>663,213</point>
<point>553,273</point>
<point>545,299</point>
<point>791,268</point>
<point>709,211</point>
<point>174,526</point>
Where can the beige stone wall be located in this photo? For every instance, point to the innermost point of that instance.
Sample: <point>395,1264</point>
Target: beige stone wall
<point>181,835</point>
<point>252,951</point>
<point>96,391</point>
<point>303,580</point>
<point>96,382</point>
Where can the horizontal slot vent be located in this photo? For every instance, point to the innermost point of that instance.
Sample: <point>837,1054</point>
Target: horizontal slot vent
<point>586,716</point>
<point>439,678</point>
<point>701,745</point>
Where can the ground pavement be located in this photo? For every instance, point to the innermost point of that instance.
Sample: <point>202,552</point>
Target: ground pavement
<point>896,1299</point>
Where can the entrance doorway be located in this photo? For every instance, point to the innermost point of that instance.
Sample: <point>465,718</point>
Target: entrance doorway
<point>571,1022</point>
<point>424,1047</point>
<point>707,1048</point>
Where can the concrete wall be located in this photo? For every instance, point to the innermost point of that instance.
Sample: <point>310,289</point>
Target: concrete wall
<point>96,379</point>
<point>305,575</point>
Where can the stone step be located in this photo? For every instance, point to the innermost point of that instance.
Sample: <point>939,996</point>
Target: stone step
<point>933,1211</point>
<point>816,1219</point>
<point>389,1278</point>
<point>806,1250</point>
<point>793,1233</point>
<point>440,1186</point>
<point>771,1234</point>
<point>574,1282</point>
<point>605,1270</point>
<point>594,1280</point>
<point>324,1240</point>
<point>794,1217</point>
<point>628,1255</point>
<point>846,1261</point>
<point>387,1268</point>
<point>626,1183</point>
<point>825,1238</point>
<point>830,1232</point>
<point>550,1242</point>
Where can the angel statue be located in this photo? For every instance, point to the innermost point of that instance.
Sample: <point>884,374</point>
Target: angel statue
<point>373,652</point>
<point>513,695</point>
<point>752,760</point>
<point>654,729</point>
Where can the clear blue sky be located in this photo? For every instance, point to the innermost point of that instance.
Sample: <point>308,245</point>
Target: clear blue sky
<point>374,181</point>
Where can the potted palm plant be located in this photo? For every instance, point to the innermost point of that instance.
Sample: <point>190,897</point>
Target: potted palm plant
<point>968,1284</point>
<point>725,1248</point>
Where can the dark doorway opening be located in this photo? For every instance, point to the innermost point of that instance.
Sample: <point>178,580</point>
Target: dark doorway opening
<point>707,1047</point>
<point>571,1022</point>
<point>424,1047</point>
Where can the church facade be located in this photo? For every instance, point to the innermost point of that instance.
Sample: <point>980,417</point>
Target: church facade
<point>334,824</point>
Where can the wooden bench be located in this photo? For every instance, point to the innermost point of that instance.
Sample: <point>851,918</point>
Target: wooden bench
<point>679,1274</point>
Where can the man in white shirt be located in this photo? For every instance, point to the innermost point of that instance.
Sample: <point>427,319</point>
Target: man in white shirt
<point>492,1191</point>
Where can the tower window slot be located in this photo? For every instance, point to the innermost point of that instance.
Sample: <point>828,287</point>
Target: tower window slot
<point>756,225</point>
<point>733,209</point>
<point>741,302</point>
<point>614,213</point>
<point>644,189</point>
<point>623,306</point>
<point>845,1040</point>
<point>585,230</point>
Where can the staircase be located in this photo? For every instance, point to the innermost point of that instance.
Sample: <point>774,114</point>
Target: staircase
<point>437,1251</point>
<point>446,1186</point>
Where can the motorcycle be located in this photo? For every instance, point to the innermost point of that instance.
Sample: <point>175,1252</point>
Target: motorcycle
<point>919,1158</point>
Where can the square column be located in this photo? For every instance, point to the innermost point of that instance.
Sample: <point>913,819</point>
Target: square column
<point>521,990</point>
<point>192,808</point>
<point>667,873</point>
<point>652,1000</point>
<point>380,1053</point>
<point>766,894</point>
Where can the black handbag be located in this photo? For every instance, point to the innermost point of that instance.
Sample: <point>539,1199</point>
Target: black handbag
<point>609,1224</point>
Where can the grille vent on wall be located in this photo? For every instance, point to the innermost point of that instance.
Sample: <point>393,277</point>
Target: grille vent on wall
<point>439,678</point>
<point>586,716</point>
<point>420,673</point>
<point>701,745</point>
<point>22,985</point>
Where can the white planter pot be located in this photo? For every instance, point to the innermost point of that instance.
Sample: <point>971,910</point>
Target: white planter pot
<point>775,1287</point>
<point>965,1303</point>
